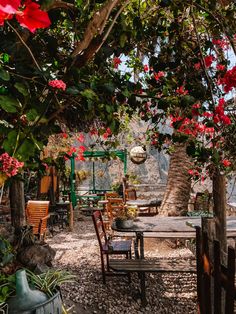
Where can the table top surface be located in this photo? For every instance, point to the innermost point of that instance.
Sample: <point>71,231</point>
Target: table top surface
<point>232,204</point>
<point>169,224</point>
<point>89,196</point>
<point>151,202</point>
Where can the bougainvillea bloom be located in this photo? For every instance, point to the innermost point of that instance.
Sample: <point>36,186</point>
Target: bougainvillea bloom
<point>158,75</point>
<point>226,162</point>
<point>197,66</point>
<point>181,90</point>
<point>9,6</point>
<point>32,17</point>
<point>228,80</point>
<point>29,15</point>
<point>4,16</point>
<point>59,84</point>
<point>220,67</point>
<point>208,60</point>
<point>116,62</point>
<point>145,68</point>
<point>9,165</point>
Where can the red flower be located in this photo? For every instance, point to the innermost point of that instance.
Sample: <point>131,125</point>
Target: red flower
<point>4,16</point>
<point>116,62</point>
<point>181,90</point>
<point>226,162</point>
<point>158,75</point>
<point>81,138</point>
<point>197,66</point>
<point>81,149</point>
<point>57,84</point>
<point>145,68</point>
<point>228,80</point>
<point>9,6</point>
<point>220,67</point>
<point>208,60</point>
<point>64,135</point>
<point>32,17</point>
<point>223,44</point>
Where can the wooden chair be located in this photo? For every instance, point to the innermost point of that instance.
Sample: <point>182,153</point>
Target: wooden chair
<point>130,195</point>
<point>114,206</point>
<point>111,195</point>
<point>37,215</point>
<point>109,247</point>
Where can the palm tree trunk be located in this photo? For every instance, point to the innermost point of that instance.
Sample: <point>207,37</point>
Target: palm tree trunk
<point>176,197</point>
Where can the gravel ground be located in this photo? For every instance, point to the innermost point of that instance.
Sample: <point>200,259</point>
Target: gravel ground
<point>78,252</point>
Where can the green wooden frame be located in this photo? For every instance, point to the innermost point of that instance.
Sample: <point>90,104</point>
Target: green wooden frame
<point>121,154</point>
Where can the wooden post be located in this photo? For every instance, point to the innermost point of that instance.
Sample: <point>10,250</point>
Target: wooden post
<point>219,198</point>
<point>17,202</point>
<point>71,219</point>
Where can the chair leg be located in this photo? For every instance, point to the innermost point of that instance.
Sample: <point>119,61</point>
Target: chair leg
<point>107,260</point>
<point>103,269</point>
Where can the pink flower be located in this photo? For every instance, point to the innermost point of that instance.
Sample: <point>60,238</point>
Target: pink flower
<point>59,84</point>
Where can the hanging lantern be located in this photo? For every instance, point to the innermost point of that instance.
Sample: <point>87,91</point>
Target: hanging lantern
<point>138,155</point>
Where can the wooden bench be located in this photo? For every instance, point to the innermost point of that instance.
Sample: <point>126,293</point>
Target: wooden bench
<point>141,266</point>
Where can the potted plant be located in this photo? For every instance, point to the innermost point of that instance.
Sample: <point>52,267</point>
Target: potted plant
<point>125,217</point>
<point>25,292</point>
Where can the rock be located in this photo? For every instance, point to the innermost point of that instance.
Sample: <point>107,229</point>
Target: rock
<point>37,254</point>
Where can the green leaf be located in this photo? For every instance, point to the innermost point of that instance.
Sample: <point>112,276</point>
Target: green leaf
<point>10,141</point>
<point>123,39</point>
<point>31,115</point>
<point>26,150</point>
<point>22,89</point>
<point>89,94</point>
<point>4,75</point>
<point>72,90</point>
<point>9,104</point>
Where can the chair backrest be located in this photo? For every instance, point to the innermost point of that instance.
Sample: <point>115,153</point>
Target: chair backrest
<point>130,194</point>
<point>99,228</point>
<point>111,195</point>
<point>35,211</point>
<point>114,205</point>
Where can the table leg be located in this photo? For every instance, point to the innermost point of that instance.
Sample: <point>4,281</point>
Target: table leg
<point>139,253</point>
<point>143,289</point>
<point>140,243</point>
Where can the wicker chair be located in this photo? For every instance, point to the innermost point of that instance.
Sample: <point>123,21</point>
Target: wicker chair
<point>37,216</point>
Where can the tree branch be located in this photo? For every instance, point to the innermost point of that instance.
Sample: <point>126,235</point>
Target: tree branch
<point>95,26</point>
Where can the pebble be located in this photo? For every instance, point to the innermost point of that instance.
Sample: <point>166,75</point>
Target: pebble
<point>167,293</point>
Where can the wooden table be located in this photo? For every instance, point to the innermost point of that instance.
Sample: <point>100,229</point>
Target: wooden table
<point>167,227</point>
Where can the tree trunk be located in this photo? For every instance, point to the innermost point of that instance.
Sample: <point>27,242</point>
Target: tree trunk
<point>219,199</point>
<point>175,201</point>
<point>17,202</point>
